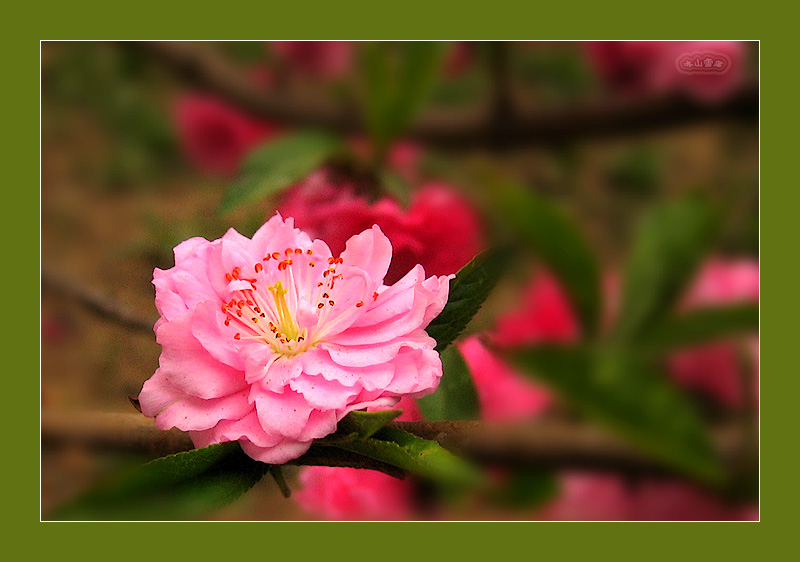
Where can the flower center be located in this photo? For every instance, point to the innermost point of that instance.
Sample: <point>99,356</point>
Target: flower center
<point>286,324</point>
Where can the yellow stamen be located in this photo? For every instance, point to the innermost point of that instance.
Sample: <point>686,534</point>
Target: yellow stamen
<point>288,326</point>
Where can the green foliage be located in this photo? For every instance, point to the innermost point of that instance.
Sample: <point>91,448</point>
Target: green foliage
<point>629,395</point>
<point>702,325</point>
<point>526,488</point>
<point>398,78</point>
<point>278,164</point>
<point>456,397</point>
<point>468,290</point>
<point>556,240</point>
<point>364,424</point>
<point>672,240</point>
<point>180,486</point>
<point>418,456</point>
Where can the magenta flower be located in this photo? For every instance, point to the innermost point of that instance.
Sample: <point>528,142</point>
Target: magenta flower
<point>215,136</point>
<point>270,341</point>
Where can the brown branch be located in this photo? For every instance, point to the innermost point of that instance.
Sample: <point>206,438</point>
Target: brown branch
<point>545,444</point>
<point>208,70</point>
<point>94,301</point>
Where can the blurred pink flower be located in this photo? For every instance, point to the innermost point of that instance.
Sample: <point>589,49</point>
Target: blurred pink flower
<point>351,494</point>
<point>215,136</point>
<point>322,59</point>
<point>272,341</point>
<point>545,315</point>
<point>647,67</point>
<point>439,230</point>
<point>606,497</point>
<point>403,157</point>
<point>715,369</point>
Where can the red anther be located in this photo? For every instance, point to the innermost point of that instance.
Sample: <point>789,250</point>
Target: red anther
<point>359,304</point>
<point>259,268</point>
<point>249,302</point>
<point>325,295</point>
<point>331,260</point>
<point>339,260</point>
<point>309,252</point>
<point>374,296</point>
<point>298,251</point>
<point>225,308</point>
<point>267,257</point>
<point>326,272</point>
<point>238,336</point>
<point>228,277</point>
<point>330,303</point>
<point>282,266</point>
<point>320,305</point>
<point>300,338</point>
<point>288,262</point>
<point>276,255</point>
<point>311,264</point>
<point>288,251</point>
<point>240,304</point>
<point>254,319</point>
<point>239,313</point>
<point>227,320</point>
<point>236,272</point>
<point>257,309</point>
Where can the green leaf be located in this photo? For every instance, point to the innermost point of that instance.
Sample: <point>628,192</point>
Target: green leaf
<point>456,397</point>
<point>526,488</point>
<point>557,241</point>
<point>470,287</point>
<point>632,398</point>
<point>416,455</point>
<point>702,325</point>
<point>278,164</point>
<point>398,78</point>
<point>364,424</point>
<point>180,486</point>
<point>672,240</point>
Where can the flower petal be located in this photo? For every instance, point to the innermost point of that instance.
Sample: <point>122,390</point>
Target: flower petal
<point>370,251</point>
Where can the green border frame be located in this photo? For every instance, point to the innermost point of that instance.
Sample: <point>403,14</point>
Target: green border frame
<point>409,20</point>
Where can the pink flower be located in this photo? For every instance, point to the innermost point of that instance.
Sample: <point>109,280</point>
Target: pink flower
<point>715,369</point>
<point>504,394</point>
<point>215,136</point>
<point>348,494</point>
<point>648,67</point>
<point>606,497</point>
<point>439,230</point>
<point>270,341</point>
<point>545,316</point>
<point>323,59</point>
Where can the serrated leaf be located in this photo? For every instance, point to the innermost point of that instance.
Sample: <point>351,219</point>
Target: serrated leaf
<point>557,241</point>
<point>365,424</point>
<point>629,396</point>
<point>468,290</point>
<point>416,455</point>
<point>456,397</point>
<point>181,486</point>
<point>278,164</point>
<point>702,325</point>
<point>672,240</point>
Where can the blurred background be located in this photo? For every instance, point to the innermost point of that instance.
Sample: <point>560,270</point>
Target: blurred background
<point>443,145</point>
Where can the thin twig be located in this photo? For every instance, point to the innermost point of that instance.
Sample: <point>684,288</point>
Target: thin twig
<point>543,443</point>
<point>94,301</point>
<point>209,70</point>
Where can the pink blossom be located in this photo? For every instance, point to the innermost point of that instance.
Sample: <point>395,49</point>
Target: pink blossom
<point>504,394</point>
<point>607,497</point>
<point>715,369</point>
<point>648,67</point>
<point>270,341</point>
<point>215,136</point>
<point>439,230</point>
<point>348,494</point>
<point>323,59</point>
<point>545,315</point>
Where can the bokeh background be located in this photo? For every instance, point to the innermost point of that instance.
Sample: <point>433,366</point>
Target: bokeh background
<point>143,145</point>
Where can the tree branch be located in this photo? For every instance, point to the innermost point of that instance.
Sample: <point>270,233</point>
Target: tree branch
<point>542,444</point>
<point>208,70</point>
<point>94,301</point>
